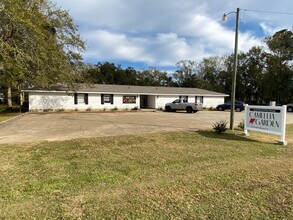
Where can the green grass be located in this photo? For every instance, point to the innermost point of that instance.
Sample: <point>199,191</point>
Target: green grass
<point>183,175</point>
<point>7,113</point>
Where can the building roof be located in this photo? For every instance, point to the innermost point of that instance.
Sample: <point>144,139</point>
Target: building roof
<point>130,89</point>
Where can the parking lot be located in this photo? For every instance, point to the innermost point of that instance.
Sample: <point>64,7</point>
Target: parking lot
<point>34,127</point>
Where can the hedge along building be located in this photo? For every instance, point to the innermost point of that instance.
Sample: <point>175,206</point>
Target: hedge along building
<point>103,97</point>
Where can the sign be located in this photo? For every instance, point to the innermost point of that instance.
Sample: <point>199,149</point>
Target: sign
<point>268,119</point>
<point>129,99</point>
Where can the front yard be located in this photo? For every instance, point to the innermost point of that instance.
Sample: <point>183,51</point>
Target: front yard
<point>6,114</point>
<point>191,175</point>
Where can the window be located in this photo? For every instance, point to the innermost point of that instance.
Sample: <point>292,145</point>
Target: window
<point>81,98</point>
<point>106,98</point>
<point>199,99</point>
<point>184,98</point>
<point>129,99</point>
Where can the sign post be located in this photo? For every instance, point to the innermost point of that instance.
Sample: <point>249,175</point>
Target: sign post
<point>268,119</point>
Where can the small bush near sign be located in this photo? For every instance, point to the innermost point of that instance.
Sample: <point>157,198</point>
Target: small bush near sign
<point>220,127</point>
<point>129,99</point>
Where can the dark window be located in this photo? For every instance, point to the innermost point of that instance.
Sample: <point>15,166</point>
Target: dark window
<point>80,98</point>
<point>198,99</point>
<point>86,99</point>
<point>75,98</point>
<point>201,99</point>
<point>184,98</point>
<point>107,98</point>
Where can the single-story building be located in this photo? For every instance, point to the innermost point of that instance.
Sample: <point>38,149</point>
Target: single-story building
<point>104,97</point>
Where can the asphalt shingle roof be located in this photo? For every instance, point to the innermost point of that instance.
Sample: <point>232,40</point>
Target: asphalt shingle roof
<point>141,90</point>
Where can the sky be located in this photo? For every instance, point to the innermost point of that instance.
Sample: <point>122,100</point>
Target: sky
<point>159,33</point>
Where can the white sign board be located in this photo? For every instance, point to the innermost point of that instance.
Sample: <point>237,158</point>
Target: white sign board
<point>269,119</point>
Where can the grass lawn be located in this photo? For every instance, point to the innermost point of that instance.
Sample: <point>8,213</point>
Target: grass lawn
<point>6,113</point>
<point>175,175</point>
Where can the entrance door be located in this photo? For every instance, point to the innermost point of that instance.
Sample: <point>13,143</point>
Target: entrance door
<point>143,101</point>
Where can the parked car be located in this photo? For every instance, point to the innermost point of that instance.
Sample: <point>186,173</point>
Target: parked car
<point>179,104</point>
<point>290,107</point>
<point>239,106</point>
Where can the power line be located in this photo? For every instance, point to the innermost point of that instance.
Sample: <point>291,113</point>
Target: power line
<point>271,12</point>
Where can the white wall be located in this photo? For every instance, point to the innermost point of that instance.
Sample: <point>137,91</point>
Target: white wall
<point>163,99</point>
<point>118,102</point>
<point>57,101</point>
<point>54,101</point>
<point>212,102</point>
<point>191,99</point>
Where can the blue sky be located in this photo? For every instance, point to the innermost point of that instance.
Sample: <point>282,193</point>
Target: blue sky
<point>158,33</point>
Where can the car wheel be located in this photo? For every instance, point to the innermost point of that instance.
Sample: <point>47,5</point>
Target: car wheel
<point>168,109</point>
<point>290,109</point>
<point>220,109</point>
<point>189,110</point>
<point>238,109</point>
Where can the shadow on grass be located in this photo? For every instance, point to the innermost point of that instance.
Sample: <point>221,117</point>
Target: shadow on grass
<point>225,136</point>
<point>15,109</point>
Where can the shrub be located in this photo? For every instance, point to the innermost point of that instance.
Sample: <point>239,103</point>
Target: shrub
<point>115,109</point>
<point>88,109</point>
<point>241,125</point>
<point>220,126</point>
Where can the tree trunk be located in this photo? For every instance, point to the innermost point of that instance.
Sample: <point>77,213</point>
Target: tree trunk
<point>9,97</point>
<point>21,97</point>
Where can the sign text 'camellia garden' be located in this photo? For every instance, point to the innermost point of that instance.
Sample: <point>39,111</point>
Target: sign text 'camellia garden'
<point>269,119</point>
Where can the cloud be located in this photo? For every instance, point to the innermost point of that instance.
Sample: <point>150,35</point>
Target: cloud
<point>160,33</point>
<point>112,46</point>
<point>161,49</point>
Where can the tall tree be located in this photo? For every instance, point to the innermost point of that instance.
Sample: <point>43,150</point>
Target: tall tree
<point>278,80</point>
<point>252,73</point>
<point>186,75</point>
<point>153,77</point>
<point>209,73</point>
<point>39,44</point>
<point>109,73</point>
<point>130,76</point>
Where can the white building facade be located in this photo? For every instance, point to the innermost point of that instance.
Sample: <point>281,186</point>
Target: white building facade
<point>107,97</point>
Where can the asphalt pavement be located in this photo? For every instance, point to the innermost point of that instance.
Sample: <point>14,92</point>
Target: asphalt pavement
<point>35,127</point>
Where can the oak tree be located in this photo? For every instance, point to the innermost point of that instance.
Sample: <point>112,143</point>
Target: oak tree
<point>39,44</point>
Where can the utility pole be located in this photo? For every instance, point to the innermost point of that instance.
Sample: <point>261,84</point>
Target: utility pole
<point>234,74</point>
